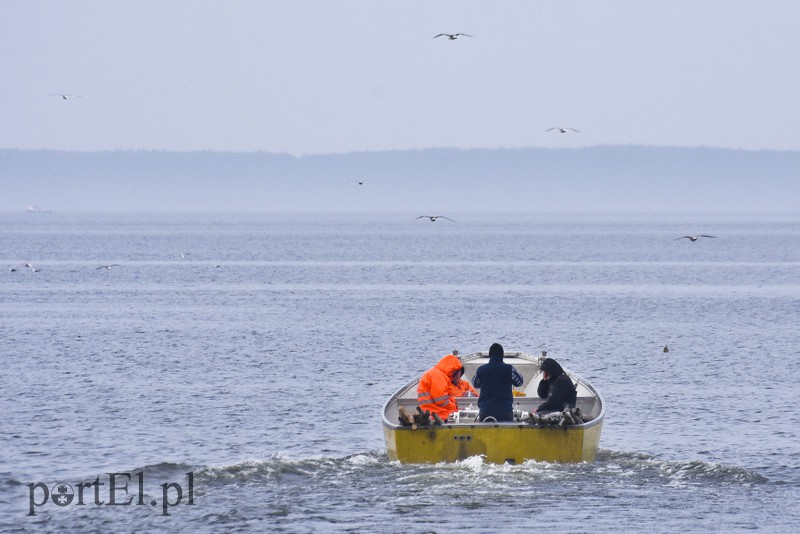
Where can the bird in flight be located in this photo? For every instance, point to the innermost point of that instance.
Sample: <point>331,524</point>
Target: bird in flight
<point>108,267</point>
<point>563,130</point>
<point>65,96</point>
<point>693,238</point>
<point>434,217</point>
<point>452,36</point>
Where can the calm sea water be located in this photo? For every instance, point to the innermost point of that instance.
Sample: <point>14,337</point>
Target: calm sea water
<point>249,356</point>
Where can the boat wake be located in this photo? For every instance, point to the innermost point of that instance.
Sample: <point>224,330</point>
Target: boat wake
<point>674,473</point>
<point>610,467</point>
<point>283,467</point>
<point>364,488</point>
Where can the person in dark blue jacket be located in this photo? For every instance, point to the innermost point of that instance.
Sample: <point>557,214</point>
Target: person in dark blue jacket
<point>495,380</point>
<point>556,387</point>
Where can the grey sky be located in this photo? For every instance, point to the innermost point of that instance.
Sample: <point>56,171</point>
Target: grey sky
<point>326,76</point>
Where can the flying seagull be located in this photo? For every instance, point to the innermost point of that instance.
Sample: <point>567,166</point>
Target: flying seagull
<point>65,96</point>
<point>452,36</point>
<point>563,130</point>
<point>434,217</point>
<point>692,238</point>
<point>108,267</point>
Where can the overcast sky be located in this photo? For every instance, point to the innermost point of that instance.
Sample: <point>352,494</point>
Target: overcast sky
<point>322,76</point>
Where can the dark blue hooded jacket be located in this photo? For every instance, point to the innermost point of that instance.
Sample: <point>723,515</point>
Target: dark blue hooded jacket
<point>495,380</point>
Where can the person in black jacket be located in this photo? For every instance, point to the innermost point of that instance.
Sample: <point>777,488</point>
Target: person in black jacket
<point>556,387</point>
<point>495,380</point>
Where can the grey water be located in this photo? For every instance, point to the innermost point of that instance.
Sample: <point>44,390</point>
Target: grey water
<point>244,359</point>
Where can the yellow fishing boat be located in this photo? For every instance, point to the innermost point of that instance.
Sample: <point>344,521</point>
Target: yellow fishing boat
<point>565,437</point>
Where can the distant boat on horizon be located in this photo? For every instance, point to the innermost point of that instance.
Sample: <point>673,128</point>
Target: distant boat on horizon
<point>38,209</point>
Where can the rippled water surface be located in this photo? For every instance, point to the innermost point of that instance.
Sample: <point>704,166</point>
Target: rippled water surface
<point>253,353</point>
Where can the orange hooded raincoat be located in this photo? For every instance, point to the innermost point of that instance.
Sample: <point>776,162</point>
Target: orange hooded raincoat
<point>434,392</point>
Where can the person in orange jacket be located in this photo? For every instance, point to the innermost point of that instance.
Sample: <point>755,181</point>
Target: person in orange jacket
<point>435,389</point>
<point>462,388</point>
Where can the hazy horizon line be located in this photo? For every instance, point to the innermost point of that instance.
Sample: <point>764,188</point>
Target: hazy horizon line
<point>394,150</point>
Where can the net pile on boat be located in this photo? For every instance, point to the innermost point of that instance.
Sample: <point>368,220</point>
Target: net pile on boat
<point>420,418</point>
<point>570,416</point>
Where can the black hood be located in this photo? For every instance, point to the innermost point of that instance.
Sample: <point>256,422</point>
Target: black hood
<point>552,367</point>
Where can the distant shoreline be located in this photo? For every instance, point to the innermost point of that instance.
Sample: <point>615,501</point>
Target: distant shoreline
<point>615,179</point>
